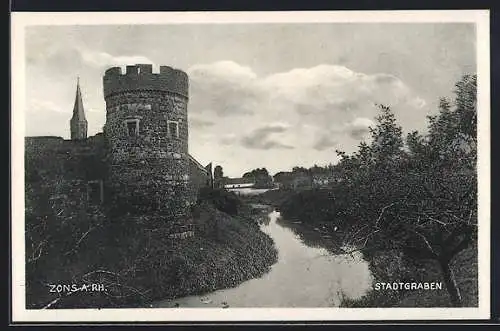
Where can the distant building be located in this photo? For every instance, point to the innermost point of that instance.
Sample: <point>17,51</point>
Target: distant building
<point>232,183</point>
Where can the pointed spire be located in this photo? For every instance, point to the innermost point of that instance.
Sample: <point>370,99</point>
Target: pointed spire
<point>78,111</point>
<point>78,123</point>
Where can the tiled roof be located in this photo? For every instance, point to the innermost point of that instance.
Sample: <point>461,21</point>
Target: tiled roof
<point>198,164</point>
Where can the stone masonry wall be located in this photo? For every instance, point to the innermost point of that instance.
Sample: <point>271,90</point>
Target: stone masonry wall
<point>150,170</point>
<point>53,157</point>
<point>141,77</point>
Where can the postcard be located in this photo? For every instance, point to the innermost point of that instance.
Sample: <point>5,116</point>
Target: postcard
<point>250,166</point>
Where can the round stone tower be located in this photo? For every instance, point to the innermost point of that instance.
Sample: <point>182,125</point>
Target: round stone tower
<point>147,133</point>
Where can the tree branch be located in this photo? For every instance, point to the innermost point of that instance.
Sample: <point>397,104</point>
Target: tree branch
<point>39,248</point>
<point>53,302</point>
<point>382,213</point>
<point>56,300</point>
<point>79,241</point>
<point>353,235</point>
<point>101,271</point>
<point>427,244</point>
<point>435,220</point>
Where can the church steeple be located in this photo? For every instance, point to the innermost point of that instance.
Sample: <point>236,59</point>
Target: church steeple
<point>78,123</point>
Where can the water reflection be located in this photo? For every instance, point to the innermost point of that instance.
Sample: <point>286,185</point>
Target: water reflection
<point>313,237</point>
<point>304,276</point>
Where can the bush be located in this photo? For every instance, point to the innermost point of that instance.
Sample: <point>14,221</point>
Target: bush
<point>221,199</point>
<point>310,206</point>
<point>417,195</point>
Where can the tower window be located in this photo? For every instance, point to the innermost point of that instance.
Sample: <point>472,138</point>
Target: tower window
<point>132,126</point>
<point>173,129</point>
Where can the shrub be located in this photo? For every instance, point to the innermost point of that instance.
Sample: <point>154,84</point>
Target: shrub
<point>221,199</point>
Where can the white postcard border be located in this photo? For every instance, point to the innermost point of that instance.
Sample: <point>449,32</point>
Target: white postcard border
<point>20,20</point>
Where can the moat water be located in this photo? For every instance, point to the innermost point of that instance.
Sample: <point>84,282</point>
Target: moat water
<point>304,276</point>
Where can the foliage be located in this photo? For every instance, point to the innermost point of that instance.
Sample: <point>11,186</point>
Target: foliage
<point>133,256</point>
<point>417,195</point>
<point>259,172</point>
<point>283,176</point>
<point>221,199</point>
<point>218,177</point>
<point>218,172</point>
<point>302,206</point>
<point>261,177</point>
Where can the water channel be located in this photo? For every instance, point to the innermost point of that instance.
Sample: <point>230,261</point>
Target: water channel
<point>304,276</point>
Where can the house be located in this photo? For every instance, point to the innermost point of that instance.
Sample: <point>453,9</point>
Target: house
<point>234,183</point>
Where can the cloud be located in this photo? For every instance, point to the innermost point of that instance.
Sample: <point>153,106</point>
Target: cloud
<point>103,59</point>
<point>324,142</point>
<point>260,138</point>
<point>272,128</point>
<point>385,79</point>
<point>417,102</point>
<point>200,123</point>
<point>359,128</point>
<point>42,106</point>
<point>309,111</point>
<point>49,50</point>
<point>224,70</point>
<point>319,96</point>
<point>224,88</point>
<point>330,90</point>
<point>228,139</point>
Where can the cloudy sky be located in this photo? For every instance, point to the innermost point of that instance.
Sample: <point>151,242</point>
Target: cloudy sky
<point>261,95</point>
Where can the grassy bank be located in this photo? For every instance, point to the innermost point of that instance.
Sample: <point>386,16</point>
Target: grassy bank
<point>137,263</point>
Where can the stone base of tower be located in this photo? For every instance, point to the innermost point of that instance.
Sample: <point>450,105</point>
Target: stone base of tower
<point>141,192</point>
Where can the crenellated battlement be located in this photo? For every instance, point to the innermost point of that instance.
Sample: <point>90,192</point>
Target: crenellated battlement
<point>141,77</point>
